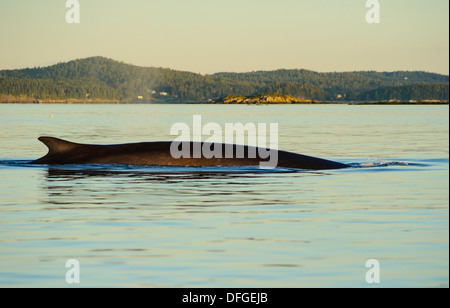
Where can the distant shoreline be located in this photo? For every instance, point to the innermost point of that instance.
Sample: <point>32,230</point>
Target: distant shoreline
<point>99,80</point>
<point>262,99</point>
<point>278,99</point>
<point>202,103</point>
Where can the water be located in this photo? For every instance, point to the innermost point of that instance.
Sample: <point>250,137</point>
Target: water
<point>238,227</point>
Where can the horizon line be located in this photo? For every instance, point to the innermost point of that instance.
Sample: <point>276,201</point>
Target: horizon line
<point>221,72</point>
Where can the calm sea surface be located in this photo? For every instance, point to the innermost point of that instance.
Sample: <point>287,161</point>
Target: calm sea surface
<point>239,227</point>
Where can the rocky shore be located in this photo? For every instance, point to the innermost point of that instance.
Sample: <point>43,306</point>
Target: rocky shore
<point>267,99</point>
<point>260,99</point>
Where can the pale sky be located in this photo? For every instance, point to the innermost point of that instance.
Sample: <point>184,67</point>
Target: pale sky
<point>208,36</point>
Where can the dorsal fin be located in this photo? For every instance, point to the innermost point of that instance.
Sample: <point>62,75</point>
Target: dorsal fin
<point>56,145</point>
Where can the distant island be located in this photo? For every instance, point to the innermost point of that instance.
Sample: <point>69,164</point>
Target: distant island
<point>280,99</point>
<point>98,80</point>
<point>259,99</point>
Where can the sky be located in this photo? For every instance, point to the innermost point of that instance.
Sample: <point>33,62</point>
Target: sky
<point>208,36</point>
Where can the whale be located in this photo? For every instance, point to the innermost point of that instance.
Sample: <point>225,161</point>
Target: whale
<point>62,152</point>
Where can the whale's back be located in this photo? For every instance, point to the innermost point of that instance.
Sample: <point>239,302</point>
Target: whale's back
<point>160,153</point>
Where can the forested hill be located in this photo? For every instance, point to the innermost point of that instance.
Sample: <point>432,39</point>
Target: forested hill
<point>101,78</point>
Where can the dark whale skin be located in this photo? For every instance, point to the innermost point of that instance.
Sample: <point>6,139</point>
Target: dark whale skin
<point>63,152</point>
